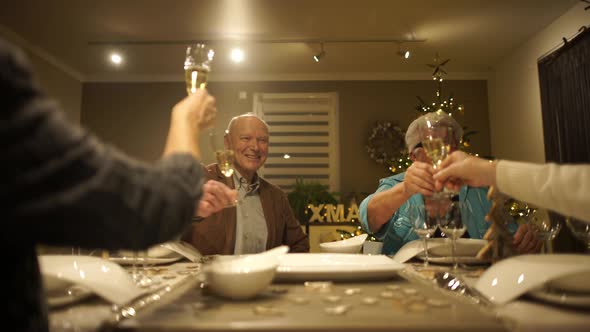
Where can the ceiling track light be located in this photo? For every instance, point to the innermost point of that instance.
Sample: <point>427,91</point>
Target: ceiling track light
<point>246,40</point>
<point>320,55</point>
<point>404,52</point>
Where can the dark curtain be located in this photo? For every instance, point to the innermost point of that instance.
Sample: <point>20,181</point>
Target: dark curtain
<point>564,78</point>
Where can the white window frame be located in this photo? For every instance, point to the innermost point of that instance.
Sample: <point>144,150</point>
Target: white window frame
<point>299,108</point>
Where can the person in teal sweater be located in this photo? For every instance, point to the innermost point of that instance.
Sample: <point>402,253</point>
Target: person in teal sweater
<point>390,211</point>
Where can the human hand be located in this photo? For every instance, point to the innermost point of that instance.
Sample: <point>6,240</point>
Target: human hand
<point>216,196</point>
<point>418,179</point>
<point>198,109</point>
<point>460,169</point>
<point>526,241</point>
<point>189,116</point>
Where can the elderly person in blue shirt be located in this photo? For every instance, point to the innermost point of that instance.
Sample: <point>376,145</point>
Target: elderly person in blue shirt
<point>390,211</point>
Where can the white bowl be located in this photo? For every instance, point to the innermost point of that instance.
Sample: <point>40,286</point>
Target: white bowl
<point>243,277</point>
<point>351,245</point>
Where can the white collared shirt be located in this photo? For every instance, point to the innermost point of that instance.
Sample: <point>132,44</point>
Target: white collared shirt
<point>251,230</point>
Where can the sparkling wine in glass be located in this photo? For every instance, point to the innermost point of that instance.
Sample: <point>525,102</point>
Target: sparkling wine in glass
<point>197,66</point>
<point>437,136</point>
<point>225,160</point>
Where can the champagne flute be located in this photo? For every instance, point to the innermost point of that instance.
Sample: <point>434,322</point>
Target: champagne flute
<point>437,137</point>
<point>424,226</point>
<point>547,228</point>
<point>580,229</point>
<point>452,223</point>
<point>197,66</point>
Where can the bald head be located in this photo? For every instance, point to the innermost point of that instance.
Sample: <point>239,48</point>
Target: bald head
<point>246,116</point>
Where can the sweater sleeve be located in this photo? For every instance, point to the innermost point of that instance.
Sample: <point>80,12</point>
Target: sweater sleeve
<point>61,186</point>
<point>561,188</point>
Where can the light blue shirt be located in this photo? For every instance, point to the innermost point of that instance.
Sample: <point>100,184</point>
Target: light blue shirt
<point>398,230</point>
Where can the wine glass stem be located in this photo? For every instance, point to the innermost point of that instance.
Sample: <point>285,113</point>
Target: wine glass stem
<point>425,238</point>
<point>453,257</point>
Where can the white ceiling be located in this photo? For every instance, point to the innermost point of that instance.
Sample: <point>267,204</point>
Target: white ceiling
<point>474,34</point>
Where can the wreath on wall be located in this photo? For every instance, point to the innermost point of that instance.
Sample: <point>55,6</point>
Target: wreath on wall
<point>386,146</point>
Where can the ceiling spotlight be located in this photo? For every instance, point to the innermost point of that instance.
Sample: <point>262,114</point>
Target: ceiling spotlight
<point>403,52</point>
<point>237,55</point>
<point>116,58</point>
<point>320,55</point>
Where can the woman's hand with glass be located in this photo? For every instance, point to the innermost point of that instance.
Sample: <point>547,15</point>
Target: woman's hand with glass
<point>461,169</point>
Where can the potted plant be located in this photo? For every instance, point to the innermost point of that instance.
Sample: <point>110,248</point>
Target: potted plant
<point>305,193</point>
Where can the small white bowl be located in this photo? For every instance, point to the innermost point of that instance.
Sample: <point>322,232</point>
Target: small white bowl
<point>243,277</point>
<point>351,245</point>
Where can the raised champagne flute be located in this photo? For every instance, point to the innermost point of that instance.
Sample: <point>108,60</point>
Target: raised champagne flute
<point>436,138</point>
<point>197,66</point>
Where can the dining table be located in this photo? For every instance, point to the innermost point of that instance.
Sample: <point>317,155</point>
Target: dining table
<point>408,299</point>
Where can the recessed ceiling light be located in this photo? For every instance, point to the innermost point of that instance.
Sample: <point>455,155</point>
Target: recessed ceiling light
<point>237,55</point>
<point>116,58</point>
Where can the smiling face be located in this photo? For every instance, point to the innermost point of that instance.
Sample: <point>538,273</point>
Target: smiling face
<point>248,138</point>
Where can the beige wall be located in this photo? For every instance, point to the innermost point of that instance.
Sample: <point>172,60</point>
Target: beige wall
<point>515,101</point>
<point>134,116</point>
<point>55,79</point>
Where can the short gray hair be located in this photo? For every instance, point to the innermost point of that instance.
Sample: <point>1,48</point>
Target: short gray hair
<point>235,119</point>
<point>413,132</point>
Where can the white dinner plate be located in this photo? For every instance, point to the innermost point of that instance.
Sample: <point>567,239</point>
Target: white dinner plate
<point>308,267</point>
<point>440,247</point>
<point>158,254</point>
<point>578,300</point>
<point>128,260</point>
<point>460,260</point>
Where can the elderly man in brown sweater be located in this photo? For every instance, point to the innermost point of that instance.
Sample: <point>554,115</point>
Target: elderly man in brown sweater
<point>262,219</point>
